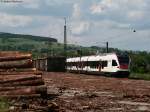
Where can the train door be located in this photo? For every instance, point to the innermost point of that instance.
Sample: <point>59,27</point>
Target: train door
<point>104,64</point>
<point>114,66</point>
<point>100,66</point>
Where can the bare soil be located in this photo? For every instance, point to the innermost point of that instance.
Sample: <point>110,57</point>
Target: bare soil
<point>89,93</point>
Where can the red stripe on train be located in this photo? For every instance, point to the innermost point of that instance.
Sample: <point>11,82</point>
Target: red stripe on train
<point>124,66</point>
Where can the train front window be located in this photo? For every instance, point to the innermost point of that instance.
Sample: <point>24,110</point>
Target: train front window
<point>114,63</point>
<point>123,60</point>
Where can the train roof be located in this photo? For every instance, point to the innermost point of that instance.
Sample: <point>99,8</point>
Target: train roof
<point>93,57</point>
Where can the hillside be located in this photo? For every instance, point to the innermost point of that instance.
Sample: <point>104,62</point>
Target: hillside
<point>20,42</point>
<point>27,37</point>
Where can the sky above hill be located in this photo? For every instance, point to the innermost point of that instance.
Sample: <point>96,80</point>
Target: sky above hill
<point>89,22</point>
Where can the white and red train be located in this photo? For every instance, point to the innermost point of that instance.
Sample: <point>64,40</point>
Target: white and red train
<point>105,64</point>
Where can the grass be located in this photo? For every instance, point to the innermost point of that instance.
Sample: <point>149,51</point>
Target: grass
<point>139,76</point>
<point>4,106</point>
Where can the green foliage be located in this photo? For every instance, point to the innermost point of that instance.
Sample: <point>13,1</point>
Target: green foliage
<point>4,105</point>
<point>140,62</point>
<point>140,76</point>
<point>8,36</point>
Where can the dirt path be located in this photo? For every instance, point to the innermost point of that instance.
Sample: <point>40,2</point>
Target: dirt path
<point>87,93</point>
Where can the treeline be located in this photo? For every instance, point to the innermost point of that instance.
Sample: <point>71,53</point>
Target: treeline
<point>140,62</point>
<point>6,37</point>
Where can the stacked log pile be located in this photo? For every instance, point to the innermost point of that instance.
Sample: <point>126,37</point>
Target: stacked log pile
<point>18,78</point>
<point>22,85</point>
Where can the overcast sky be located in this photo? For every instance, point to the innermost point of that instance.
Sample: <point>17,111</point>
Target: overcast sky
<point>89,22</point>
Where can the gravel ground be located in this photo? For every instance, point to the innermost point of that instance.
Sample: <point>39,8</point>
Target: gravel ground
<point>89,93</point>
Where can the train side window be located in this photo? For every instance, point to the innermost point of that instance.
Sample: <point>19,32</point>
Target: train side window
<point>84,63</point>
<point>68,63</point>
<point>104,64</point>
<point>74,64</point>
<point>114,63</point>
<point>80,64</point>
<point>94,64</point>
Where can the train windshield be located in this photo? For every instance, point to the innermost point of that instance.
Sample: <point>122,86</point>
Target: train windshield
<point>123,59</point>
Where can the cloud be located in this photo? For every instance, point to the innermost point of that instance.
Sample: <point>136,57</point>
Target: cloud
<point>96,9</point>
<point>78,28</point>
<point>14,20</point>
<point>61,2</point>
<point>88,21</point>
<point>31,4</point>
<point>76,11</point>
<point>47,26</point>
<point>119,9</point>
<point>136,15</point>
<point>102,6</point>
<point>38,8</point>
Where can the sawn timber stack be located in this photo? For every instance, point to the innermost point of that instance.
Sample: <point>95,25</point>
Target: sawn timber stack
<point>18,78</point>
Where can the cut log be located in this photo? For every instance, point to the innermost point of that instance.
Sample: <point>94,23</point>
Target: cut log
<point>13,78</point>
<point>25,91</point>
<point>8,53</point>
<point>16,57</point>
<point>19,79</point>
<point>20,73</point>
<point>22,96</point>
<point>25,70</point>
<point>20,87</point>
<point>35,82</point>
<point>12,53</point>
<point>16,64</point>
